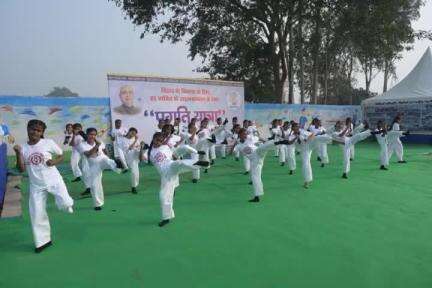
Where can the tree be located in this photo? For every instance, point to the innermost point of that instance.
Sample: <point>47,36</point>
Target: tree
<point>271,44</point>
<point>61,92</point>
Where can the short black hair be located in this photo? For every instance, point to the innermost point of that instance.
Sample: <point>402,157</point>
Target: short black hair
<point>133,129</point>
<point>77,125</point>
<point>36,122</point>
<point>158,135</point>
<point>91,129</point>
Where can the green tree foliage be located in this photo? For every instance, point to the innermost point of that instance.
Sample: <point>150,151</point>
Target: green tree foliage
<point>61,92</point>
<point>278,46</point>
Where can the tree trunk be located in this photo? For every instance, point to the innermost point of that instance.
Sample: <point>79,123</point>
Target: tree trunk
<point>316,46</point>
<point>282,59</point>
<point>325,79</point>
<point>291,65</point>
<point>275,62</point>
<point>314,80</point>
<point>368,74</point>
<point>350,71</point>
<point>386,76</point>
<point>299,47</point>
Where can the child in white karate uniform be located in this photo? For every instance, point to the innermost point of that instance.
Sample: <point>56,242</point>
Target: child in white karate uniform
<point>277,135</point>
<point>381,135</point>
<point>68,134</point>
<point>252,129</point>
<point>162,157</point>
<point>205,133</point>
<point>317,129</point>
<point>77,137</point>
<point>285,130</point>
<point>190,139</point>
<point>36,156</point>
<point>256,154</point>
<point>343,136</point>
<point>395,144</point>
<point>97,161</point>
<point>290,147</point>
<point>117,136</point>
<point>233,138</point>
<point>177,126</point>
<point>174,142</point>
<point>132,149</point>
<point>349,133</point>
<point>220,132</point>
<point>308,142</point>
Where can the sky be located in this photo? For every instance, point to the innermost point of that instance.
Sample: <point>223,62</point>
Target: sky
<point>49,43</point>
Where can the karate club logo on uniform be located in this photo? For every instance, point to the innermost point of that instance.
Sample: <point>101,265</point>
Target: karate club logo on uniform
<point>159,157</point>
<point>247,150</point>
<point>36,158</point>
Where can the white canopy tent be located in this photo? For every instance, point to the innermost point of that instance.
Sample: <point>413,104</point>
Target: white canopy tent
<point>412,97</point>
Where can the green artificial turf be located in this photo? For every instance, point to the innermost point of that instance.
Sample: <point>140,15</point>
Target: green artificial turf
<point>372,230</point>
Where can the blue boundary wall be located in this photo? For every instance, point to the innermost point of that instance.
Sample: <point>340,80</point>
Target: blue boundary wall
<point>3,173</point>
<point>263,114</point>
<point>52,101</point>
<point>56,112</point>
<point>15,111</point>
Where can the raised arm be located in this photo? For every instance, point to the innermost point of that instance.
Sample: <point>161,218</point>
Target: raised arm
<point>72,140</point>
<point>93,150</point>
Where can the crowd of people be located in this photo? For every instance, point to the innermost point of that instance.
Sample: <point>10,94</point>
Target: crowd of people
<point>178,148</point>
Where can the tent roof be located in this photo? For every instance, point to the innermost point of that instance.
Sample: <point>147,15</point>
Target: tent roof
<point>417,85</point>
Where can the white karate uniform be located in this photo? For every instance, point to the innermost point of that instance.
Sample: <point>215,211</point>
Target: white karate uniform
<point>283,148</point>
<point>352,131</point>
<point>183,128</point>
<point>173,142</point>
<point>246,160</point>
<point>196,145</point>
<point>383,143</point>
<point>347,143</point>
<point>234,138</point>
<point>97,163</point>
<point>205,134</point>
<point>256,157</point>
<point>43,180</point>
<point>290,150</point>
<point>252,130</point>
<point>221,134</point>
<point>307,146</point>
<point>277,133</point>
<point>132,158</point>
<point>212,147</point>
<point>395,144</point>
<point>76,156</point>
<point>169,170</point>
<point>119,153</point>
<point>322,147</point>
<point>177,129</point>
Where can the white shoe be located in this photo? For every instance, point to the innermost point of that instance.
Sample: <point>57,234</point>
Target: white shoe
<point>118,170</point>
<point>69,210</point>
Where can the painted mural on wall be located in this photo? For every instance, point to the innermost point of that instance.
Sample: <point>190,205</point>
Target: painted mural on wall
<point>416,115</point>
<point>263,114</point>
<point>16,111</point>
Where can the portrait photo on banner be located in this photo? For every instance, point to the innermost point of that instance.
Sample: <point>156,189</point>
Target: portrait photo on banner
<point>141,102</point>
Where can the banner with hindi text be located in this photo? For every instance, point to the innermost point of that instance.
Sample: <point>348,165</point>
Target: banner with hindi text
<point>141,101</point>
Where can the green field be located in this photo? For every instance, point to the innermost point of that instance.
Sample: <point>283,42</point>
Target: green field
<point>372,230</point>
